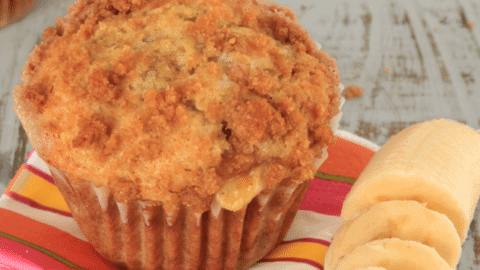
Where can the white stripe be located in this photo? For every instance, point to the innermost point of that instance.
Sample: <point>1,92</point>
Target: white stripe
<point>282,266</point>
<point>38,163</point>
<point>309,224</point>
<point>356,139</point>
<point>66,224</point>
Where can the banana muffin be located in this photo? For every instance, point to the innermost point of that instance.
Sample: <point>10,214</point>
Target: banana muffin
<point>182,133</point>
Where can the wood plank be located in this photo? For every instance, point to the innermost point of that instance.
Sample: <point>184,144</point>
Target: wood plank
<point>10,140</point>
<point>428,77</point>
<point>299,7</point>
<point>16,42</point>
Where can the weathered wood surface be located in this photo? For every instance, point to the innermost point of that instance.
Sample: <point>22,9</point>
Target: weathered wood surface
<point>416,59</point>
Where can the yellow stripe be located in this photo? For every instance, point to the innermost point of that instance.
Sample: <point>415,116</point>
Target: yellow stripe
<point>39,190</point>
<point>301,250</point>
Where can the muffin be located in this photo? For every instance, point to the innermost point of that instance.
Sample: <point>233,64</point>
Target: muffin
<point>182,133</point>
<point>13,10</point>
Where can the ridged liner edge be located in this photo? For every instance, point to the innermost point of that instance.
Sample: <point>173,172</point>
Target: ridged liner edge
<point>138,236</point>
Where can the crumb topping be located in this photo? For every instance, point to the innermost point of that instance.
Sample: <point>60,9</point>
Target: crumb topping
<point>167,100</point>
<point>353,91</point>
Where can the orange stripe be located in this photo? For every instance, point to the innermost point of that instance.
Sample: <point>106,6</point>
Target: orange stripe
<point>346,159</point>
<point>39,190</point>
<point>59,242</point>
<point>299,250</point>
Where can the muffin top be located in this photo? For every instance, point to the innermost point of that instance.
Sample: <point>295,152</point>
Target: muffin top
<point>166,100</point>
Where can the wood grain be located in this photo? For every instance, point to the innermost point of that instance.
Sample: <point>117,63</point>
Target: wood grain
<point>16,42</point>
<point>415,59</point>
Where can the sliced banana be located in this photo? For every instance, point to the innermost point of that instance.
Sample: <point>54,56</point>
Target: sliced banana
<point>393,254</point>
<point>406,220</point>
<point>435,162</point>
<point>372,268</point>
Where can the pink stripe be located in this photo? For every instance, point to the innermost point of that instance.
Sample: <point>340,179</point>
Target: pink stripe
<point>31,153</point>
<point>34,204</point>
<point>6,267</point>
<point>325,196</point>
<point>312,263</point>
<point>308,240</point>
<point>40,173</point>
<point>14,255</point>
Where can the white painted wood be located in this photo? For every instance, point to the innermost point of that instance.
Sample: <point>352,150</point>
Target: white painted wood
<point>432,56</point>
<point>16,42</point>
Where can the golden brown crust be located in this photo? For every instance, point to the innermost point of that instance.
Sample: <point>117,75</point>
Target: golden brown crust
<point>165,100</point>
<point>353,91</point>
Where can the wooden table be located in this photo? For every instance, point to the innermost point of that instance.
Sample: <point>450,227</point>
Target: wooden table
<point>417,60</point>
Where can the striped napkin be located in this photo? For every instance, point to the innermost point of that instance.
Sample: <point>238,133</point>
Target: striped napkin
<point>37,230</point>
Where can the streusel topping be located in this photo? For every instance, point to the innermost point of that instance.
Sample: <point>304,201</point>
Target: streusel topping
<point>167,100</point>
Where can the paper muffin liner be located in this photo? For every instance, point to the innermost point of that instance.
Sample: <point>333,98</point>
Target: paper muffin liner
<point>136,235</point>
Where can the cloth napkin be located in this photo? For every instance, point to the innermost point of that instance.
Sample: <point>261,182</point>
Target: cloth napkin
<point>37,230</point>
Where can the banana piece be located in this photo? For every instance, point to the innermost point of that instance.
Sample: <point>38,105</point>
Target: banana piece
<point>436,163</point>
<point>372,268</point>
<point>406,220</point>
<point>239,191</point>
<point>393,254</point>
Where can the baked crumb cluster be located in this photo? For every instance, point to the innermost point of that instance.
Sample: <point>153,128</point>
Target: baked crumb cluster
<point>166,100</point>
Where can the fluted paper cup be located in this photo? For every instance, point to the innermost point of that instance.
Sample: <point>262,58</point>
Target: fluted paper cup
<point>142,235</point>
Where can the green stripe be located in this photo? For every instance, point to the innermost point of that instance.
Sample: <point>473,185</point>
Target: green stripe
<point>334,177</point>
<point>47,252</point>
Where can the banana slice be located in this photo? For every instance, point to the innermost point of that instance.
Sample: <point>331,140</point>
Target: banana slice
<point>435,162</point>
<point>372,268</point>
<point>239,191</point>
<point>406,220</point>
<point>393,254</point>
